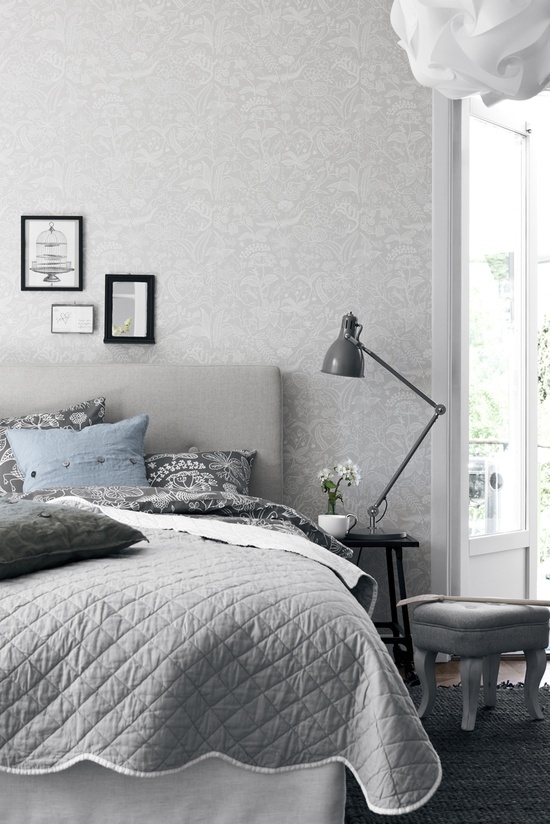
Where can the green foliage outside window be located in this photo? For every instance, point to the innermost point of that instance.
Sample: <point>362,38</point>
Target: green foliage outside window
<point>544,437</point>
<point>544,360</point>
<point>488,404</point>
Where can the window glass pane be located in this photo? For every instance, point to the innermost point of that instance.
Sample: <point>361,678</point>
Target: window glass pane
<point>497,443</point>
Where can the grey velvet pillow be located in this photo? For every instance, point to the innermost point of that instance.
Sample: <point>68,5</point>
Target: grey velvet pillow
<point>197,472</point>
<point>74,417</point>
<point>36,536</point>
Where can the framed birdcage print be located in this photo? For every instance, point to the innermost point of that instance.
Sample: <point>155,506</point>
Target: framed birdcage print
<point>51,253</point>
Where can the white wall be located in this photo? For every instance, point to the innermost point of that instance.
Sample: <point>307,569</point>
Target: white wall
<point>270,163</point>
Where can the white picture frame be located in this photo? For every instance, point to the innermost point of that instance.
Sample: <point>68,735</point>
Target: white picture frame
<point>72,318</point>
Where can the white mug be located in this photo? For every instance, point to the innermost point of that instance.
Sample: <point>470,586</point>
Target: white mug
<point>337,525</point>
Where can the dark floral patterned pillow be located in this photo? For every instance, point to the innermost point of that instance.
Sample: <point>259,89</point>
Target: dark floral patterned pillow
<point>75,417</point>
<point>201,471</point>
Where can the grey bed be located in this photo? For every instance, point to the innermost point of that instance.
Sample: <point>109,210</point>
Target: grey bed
<point>208,407</point>
<point>214,408</point>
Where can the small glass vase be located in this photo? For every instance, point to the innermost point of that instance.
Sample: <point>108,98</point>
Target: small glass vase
<point>331,507</point>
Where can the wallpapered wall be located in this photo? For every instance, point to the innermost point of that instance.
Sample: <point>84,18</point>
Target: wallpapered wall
<point>269,162</point>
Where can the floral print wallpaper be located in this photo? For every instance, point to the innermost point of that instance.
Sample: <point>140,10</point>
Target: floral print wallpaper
<point>270,163</point>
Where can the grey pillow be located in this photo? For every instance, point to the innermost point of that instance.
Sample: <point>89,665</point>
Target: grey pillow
<point>201,471</point>
<point>37,536</point>
<point>74,417</point>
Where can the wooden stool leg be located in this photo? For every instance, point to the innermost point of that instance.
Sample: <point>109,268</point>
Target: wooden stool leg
<point>470,675</point>
<point>490,678</point>
<point>424,662</point>
<point>536,665</point>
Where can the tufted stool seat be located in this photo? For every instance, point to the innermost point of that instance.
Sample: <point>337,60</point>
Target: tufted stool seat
<point>479,633</point>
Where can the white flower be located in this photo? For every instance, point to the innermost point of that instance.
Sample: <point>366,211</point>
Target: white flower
<point>351,473</point>
<point>346,471</point>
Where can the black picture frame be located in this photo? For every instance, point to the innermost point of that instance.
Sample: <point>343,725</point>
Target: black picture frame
<point>129,309</point>
<point>51,253</point>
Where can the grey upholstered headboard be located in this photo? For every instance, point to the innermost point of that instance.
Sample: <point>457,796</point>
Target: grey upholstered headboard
<point>209,407</point>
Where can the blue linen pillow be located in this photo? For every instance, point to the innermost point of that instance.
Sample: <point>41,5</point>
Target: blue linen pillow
<point>106,455</point>
<point>75,417</point>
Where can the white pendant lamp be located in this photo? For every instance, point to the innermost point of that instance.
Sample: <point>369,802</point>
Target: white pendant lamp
<point>499,49</point>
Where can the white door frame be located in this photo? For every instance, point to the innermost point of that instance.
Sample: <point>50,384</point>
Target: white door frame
<point>450,357</point>
<point>448,497</point>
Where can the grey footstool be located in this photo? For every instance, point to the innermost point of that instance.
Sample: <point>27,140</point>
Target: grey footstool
<point>479,633</point>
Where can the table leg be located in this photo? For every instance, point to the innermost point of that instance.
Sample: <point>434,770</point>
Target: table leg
<point>391,584</point>
<point>400,636</point>
<point>408,660</point>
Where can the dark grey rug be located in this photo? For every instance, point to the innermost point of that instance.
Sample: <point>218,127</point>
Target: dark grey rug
<point>497,774</point>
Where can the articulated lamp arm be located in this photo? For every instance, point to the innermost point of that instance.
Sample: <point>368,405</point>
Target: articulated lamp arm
<point>438,408</point>
<point>375,508</point>
<point>346,357</point>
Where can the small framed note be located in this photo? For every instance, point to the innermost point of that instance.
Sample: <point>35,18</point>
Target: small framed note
<point>72,317</point>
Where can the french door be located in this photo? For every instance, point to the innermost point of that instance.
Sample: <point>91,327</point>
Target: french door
<point>488,360</point>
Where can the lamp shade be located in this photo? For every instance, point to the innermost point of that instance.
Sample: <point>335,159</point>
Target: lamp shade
<point>499,49</point>
<point>343,356</point>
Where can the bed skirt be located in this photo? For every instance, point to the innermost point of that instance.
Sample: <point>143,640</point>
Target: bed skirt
<point>212,791</point>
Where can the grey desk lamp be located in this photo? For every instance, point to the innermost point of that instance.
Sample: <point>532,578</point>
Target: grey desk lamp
<point>346,357</point>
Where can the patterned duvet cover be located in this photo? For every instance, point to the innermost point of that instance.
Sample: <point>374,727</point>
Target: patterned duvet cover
<point>223,635</point>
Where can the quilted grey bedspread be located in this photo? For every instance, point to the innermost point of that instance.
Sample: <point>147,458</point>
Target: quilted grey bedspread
<point>187,647</point>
